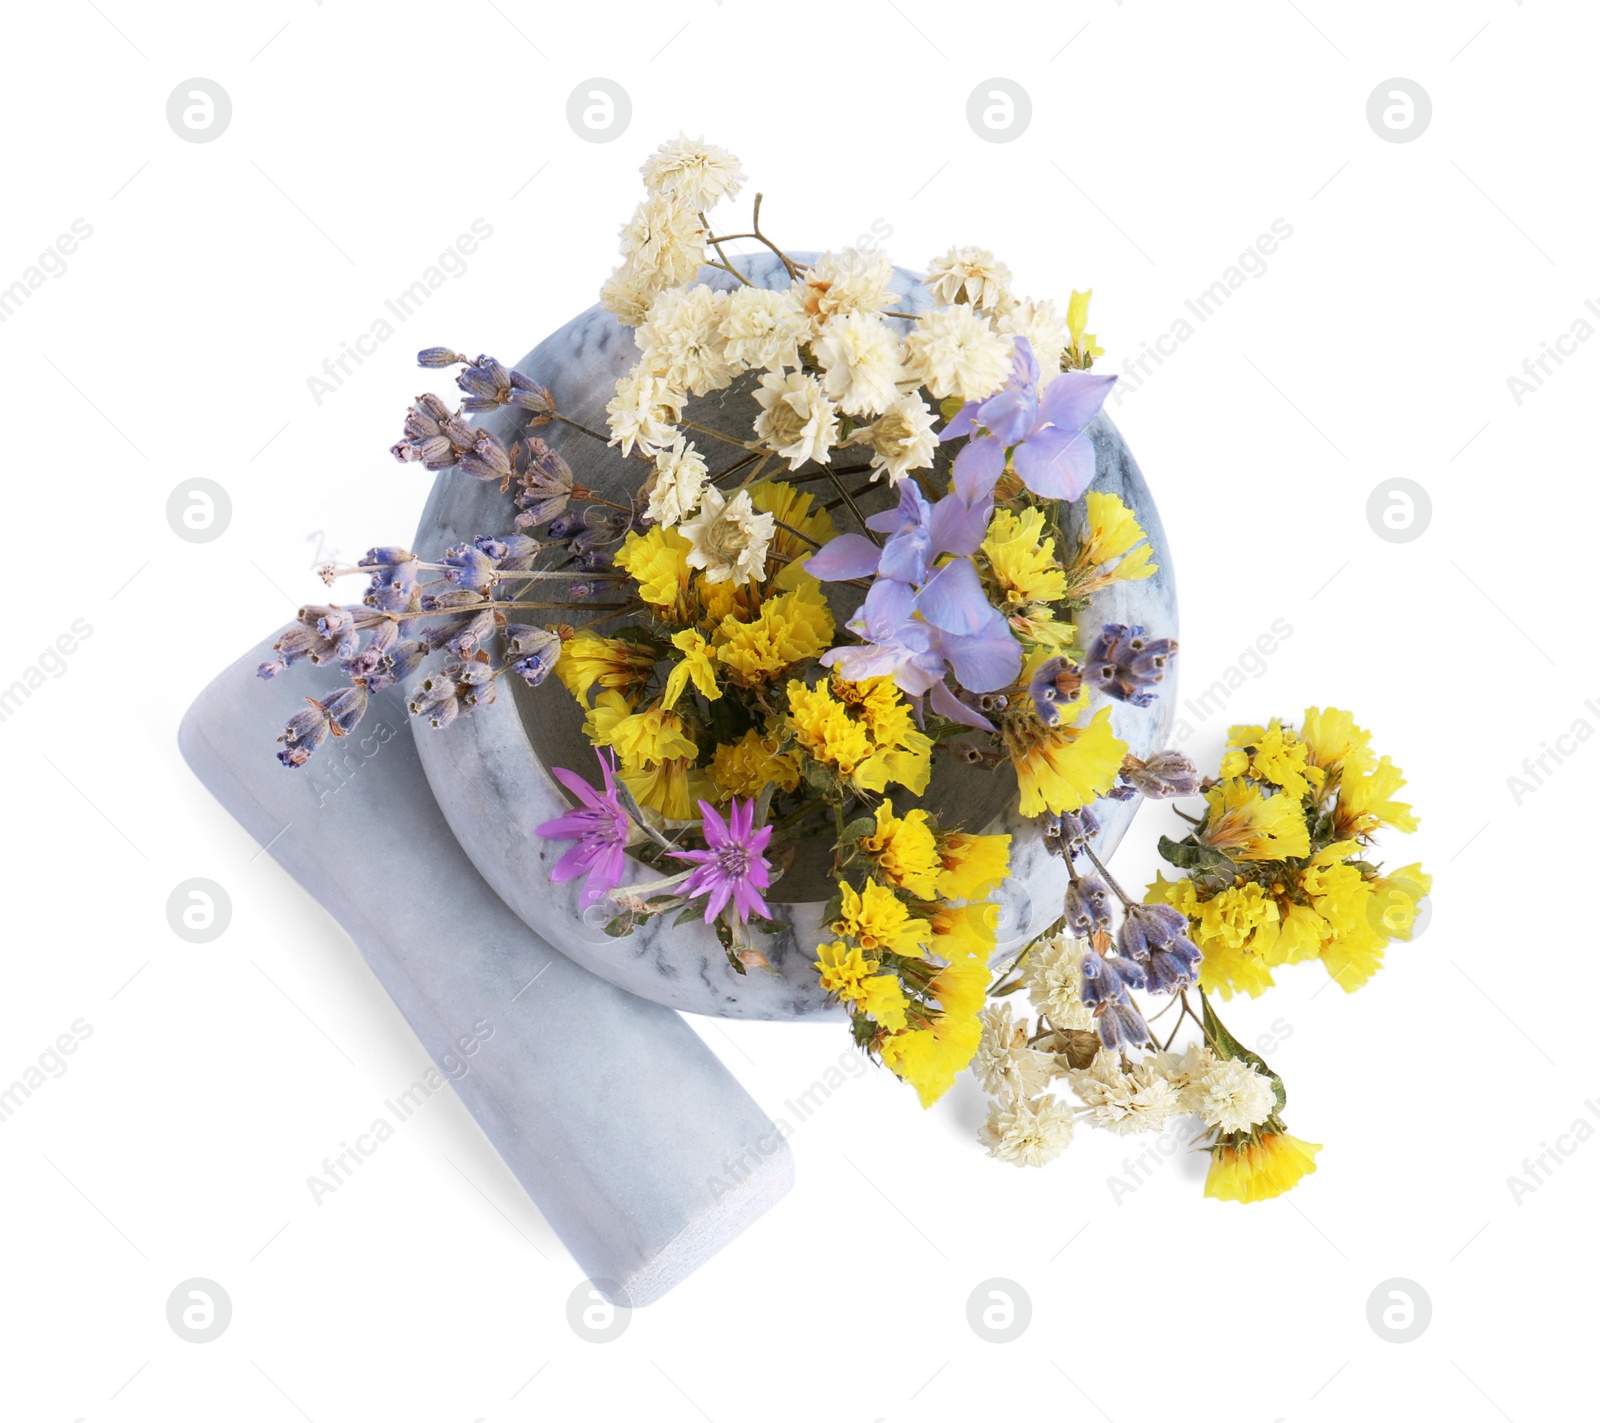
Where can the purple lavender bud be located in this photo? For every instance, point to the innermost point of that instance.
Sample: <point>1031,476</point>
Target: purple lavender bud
<point>1148,927</point>
<point>527,394</point>
<point>1076,828</point>
<point>462,640</point>
<point>344,709</point>
<point>489,459</point>
<point>1088,906</point>
<point>583,588</point>
<point>1173,967</point>
<point>435,699</point>
<point>469,674</point>
<point>1165,776</point>
<point>450,601</point>
<point>486,383</point>
<point>1055,683</point>
<point>565,527</point>
<point>268,670</point>
<point>599,561</point>
<point>468,566</point>
<point>403,659</point>
<point>1121,1026</point>
<point>433,434</point>
<point>1107,980</point>
<point>438,357</point>
<point>1125,664</point>
<point>519,553</point>
<point>535,651</point>
<point>302,734</point>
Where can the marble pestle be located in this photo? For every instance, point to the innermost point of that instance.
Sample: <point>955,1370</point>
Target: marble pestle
<point>615,1118</point>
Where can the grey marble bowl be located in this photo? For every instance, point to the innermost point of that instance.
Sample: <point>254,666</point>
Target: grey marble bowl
<point>489,771</point>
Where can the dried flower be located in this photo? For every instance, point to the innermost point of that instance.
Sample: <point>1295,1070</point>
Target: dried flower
<point>727,538</point>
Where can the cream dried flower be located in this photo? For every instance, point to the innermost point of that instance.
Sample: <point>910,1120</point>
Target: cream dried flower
<point>676,486</point>
<point>954,351</point>
<point>682,340</point>
<point>1053,976</point>
<point>627,294</point>
<point>1028,1131</point>
<point>851,280</point>
<point>762,329</point>
<point>1046,330</point>
<point>664,242</point>
<point>697,173</point>
<point>971,274</point>
<point>1004,1062</point>
<point>1233,1096</point>
<point>644,412</point>
<point>901,439</point>
<point>797,420</point>
<point>728,539</point>
<point>1137,1100</point>
<point>860,360</point>
<point>1185,1070</point>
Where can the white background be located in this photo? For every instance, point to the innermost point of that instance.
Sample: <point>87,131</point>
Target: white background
<point>1165,139</point>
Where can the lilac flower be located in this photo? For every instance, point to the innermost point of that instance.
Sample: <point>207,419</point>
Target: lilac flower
<point>1055,683</point>
<point>1044,434</point>
<point>394,578</point>
<point>1106,982</point>
<point>533,650</point>
<point>1088,905</point>
<point>920,616</point>
<point>1155,936</point>
<point>732,867</point>
<point>1125,664</point>
<point>1167,775</point>
<point>600,827</point>
<point>487,385</point>
<point>546,486</point>
<point>305,731</point>
<point>433,434</point>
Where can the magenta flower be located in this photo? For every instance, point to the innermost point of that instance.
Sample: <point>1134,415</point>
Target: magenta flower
<point>599,825</point>
<point>732,866</point>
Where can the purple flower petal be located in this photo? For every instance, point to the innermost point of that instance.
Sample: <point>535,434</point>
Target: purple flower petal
<point>978,467</point>
<point>1055,464</point>
<point>1074,398</point>
<point>952,708</point>
<point>985,661</point>
<point>848,556</point>
<point>959,527</point>
<point>953,599</point>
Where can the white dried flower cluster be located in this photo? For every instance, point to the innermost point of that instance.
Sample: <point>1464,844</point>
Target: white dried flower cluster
<point>1053,977</point>
<point>955,352</point>
<point>1028,1131</point>
<point>1004,1062</point>
<point>1026,1126</point>
<point>1136,1099</point>
<point>696,173</point>
<point>1233,1096</point>
<point>840,357</point>
<point>676,486</point>
<point>970,274</point>
<point>727,538</point>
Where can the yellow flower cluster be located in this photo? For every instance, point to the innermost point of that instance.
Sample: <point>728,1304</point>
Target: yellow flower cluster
<point>861,731</point>
<point>918,1013</point>
<point>1258,1169</point>
<point>1113,549</point>
<point>1064,767</point>
<point>1022,562</point>
<point>1286,892</point>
